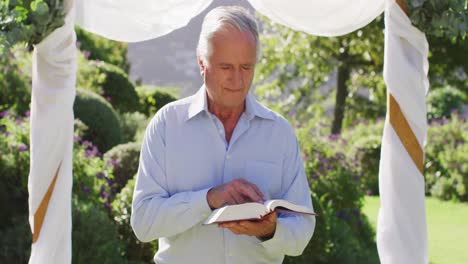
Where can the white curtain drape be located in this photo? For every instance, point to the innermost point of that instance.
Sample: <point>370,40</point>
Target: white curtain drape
<point>402,227</point>
<point>51,136</point>
<point>125,20</point>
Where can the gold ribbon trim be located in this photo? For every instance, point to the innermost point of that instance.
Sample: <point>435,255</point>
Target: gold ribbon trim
<point>41,211</point>
<point>405,133</point>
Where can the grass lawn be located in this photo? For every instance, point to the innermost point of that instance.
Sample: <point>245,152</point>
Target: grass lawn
<point>447,229</point>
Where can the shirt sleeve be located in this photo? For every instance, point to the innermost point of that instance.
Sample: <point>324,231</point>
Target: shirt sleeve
<point>293,232</point>
<point>156,213</point>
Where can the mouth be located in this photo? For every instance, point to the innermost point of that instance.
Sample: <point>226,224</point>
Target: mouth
<point>233,90</point>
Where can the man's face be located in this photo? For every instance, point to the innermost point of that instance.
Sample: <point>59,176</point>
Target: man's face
<point>229,69</point>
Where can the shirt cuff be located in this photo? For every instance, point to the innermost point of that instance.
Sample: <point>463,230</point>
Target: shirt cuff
<point>276,243</point>
<point>199,203</point>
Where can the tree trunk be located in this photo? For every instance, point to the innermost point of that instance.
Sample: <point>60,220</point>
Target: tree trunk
<point>340,100</point>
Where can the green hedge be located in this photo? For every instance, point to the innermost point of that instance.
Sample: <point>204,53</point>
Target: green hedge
<point>152,99</point>
<point>124,159</point>
<point>122,207</point>
<point>99,48</point>
<point>101,120</point>
<point>443,101</point>
<point>109,81</point>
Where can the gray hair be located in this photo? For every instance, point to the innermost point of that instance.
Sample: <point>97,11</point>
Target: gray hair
<point>218,18</point>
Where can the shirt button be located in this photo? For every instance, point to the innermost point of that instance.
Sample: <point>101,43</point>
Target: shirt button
<point>228,156</point>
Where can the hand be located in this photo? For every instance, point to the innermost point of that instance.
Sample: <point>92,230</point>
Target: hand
<point>238,191</point>
<point>263,229</point>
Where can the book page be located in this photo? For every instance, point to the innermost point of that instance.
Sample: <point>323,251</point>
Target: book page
<point>285,205</point>
<point>246,211</point>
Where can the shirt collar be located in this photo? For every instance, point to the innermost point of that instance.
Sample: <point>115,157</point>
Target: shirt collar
<point>199,103</point>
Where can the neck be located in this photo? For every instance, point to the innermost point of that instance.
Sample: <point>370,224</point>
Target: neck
<point>226,114</point>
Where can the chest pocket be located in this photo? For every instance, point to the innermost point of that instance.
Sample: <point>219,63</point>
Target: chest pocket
<point>266,175</point>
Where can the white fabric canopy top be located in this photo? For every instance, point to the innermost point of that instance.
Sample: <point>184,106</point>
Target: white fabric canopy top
<point>401,232</point>
<point>125,20</point>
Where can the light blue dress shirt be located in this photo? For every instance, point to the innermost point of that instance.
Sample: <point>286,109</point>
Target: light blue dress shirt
<point>185,153</point>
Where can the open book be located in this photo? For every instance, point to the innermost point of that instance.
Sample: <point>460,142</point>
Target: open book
<point>254,211</point>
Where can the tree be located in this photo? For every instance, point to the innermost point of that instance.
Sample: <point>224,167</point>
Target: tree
<point>303,63</point>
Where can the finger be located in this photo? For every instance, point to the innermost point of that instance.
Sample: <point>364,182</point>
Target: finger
<point>257,190</point>
<point>235,196</point>
<point>249,192</point>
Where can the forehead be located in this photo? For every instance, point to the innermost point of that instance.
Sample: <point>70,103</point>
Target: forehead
<point>233,44</point>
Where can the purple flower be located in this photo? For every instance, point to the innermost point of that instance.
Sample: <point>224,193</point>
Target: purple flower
<point>100,175</point>
<point>4,114</point>
<point>109,181</point>
<point>107,205</point>
<point>109,99</point>
<point>86,54</point>
<point>334,137</point>
<point>7,134</point>
<point>92,152</point>
<point>113,162</point>
<point>87,143</point>
<point>27,114</point>
<point>342,215</point>
<point>369,192</point>
<point>85,188</point>
<point>22,148</point>
<point>104,194</point>
<point>18,121</point>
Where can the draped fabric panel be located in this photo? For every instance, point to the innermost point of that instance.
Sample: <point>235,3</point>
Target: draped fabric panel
<point>51,138</point>
<point>402,231</point>
<point>319,17</point>
<point>125,20</point>
<point>132,21</point>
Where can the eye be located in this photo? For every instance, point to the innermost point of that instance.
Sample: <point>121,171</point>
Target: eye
<point>247,67</point>
<point>225,66</point>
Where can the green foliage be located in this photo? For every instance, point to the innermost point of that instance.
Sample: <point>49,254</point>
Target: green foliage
<point>441,102</point>
<point>152,99</point>
<point>446,162</point>
<point>441,18</point>
<point>94,236</point>
<point>91,184</point>
<point>110,82</point>
<point>103,124</point>
<point>363,146</point>
<point>99,48</point>
<point>295,70</point>
<point>122,207</point>
<point>124,159</point>
<point>132,124</point>
<point>15,240</point>
<point>28,21</point>
<point>14,86</point>
<point>343,234</point>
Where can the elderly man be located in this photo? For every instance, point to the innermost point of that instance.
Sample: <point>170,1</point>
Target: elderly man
<point>220,147</point>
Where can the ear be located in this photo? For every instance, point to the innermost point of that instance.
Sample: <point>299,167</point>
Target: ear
<point>202,65</point>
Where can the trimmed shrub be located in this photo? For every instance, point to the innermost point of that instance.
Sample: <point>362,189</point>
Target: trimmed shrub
<point>98,48</point>
<point>110,82</point>
<point>363,145</point>
<point>122,207</point>
<point>132,124</point>
<point>124,159</point>
<point>94,236</point>
<point>152,99</point>
<point>103,124</point>
<point>441,102</point>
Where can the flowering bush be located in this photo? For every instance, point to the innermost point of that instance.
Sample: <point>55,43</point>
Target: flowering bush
<point>92,181</point>
<point>446,163</point>
<point>343,233</point>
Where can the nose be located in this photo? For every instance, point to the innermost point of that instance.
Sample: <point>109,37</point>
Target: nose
<point>238,79</point>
